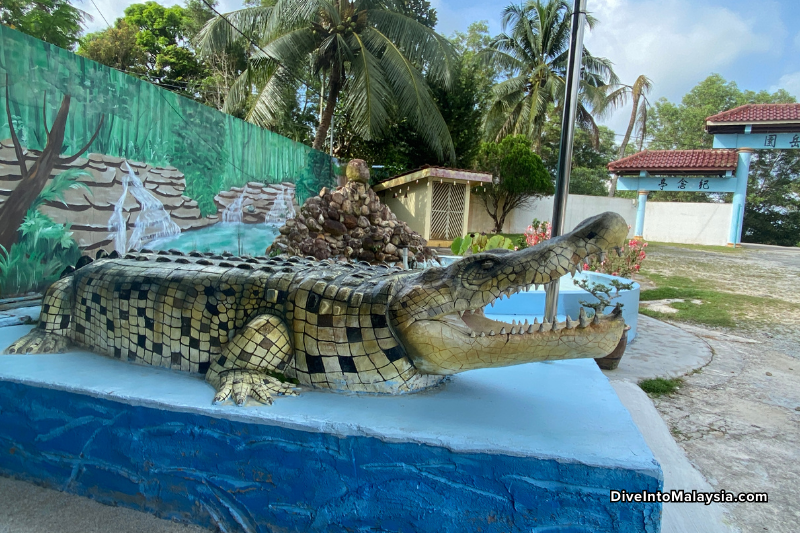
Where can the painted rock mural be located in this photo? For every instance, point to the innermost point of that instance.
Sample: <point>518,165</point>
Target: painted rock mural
<point>257,203</point>
<point>101,189</point>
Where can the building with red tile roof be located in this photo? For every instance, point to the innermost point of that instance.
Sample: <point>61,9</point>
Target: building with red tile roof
<point>759,118</point>
<point>676,162</point>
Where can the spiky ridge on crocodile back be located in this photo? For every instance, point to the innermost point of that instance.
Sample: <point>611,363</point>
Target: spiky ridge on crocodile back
<point>178,311</point>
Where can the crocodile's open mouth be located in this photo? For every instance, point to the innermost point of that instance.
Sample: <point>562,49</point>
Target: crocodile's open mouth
<point>441,314</point>
<point>475,323</point>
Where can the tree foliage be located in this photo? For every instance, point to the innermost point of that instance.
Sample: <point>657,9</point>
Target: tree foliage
<point>53,21</point>
<point>534,48</point>
<point>589,174</point>
<point>153,42</point>
<point>772,211</point>
<point>518,177</point>
<point>682,126</point>
<point>369,55</point>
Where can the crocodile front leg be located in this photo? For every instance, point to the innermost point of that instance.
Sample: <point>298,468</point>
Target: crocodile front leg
<point>261,347</point>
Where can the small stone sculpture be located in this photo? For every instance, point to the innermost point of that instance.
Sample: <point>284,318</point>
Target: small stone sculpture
<point>350,222</point>
<point>248,324</point>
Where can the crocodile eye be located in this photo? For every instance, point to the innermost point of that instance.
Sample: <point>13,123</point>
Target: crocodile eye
<point>487,265</point>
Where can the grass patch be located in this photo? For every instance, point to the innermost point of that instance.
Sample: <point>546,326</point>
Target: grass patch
<point>660,386</point>
<point>718,309</point>
<point>701,247</point>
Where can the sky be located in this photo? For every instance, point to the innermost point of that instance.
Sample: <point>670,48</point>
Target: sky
<point>676,43</point>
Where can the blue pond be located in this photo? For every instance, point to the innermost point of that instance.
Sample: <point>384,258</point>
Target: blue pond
<point>238,239</point>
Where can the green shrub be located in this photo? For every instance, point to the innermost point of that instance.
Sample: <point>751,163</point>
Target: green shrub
<point>476,243</point>
<point>44,248</point>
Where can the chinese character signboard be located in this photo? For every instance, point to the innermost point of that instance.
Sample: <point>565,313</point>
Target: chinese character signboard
<point>757,141</point>
<point>688,183</point>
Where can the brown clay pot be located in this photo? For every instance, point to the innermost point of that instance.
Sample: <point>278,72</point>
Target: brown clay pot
<point>611,361</point>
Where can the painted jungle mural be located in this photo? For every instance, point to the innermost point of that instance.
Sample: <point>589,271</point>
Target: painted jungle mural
<point>91,159</point>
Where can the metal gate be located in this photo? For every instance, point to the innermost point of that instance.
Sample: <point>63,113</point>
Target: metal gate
<point>447,211</point>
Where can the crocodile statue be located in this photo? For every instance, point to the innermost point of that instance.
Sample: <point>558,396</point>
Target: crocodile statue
<point>257,326</point>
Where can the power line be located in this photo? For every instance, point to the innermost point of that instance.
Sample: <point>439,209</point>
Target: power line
<point>101,14</point>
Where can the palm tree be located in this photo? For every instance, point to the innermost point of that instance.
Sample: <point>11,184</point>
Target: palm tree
<point>369,56</point>
<point>533,49</point>
<point>619,97</point>
<point>638,122</point>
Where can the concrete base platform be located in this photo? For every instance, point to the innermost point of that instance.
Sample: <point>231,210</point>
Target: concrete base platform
<point>529,448</point>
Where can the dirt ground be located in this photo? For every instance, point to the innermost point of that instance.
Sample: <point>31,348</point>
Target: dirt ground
<point>738,418</point>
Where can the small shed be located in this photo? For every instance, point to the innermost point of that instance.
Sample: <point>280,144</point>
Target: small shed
<point>434,201</point>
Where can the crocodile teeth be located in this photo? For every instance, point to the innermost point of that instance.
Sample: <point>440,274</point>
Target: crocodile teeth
<point>543,327</point>
<point>482,334</point>
<point>555,324</point>
<point>461,313</point>
<point>596,319</point>
<point>526,322</point>
<point>513,322</point>
<point>491,303</point>
<point>582,318</point>
<point>530,328</point>
<point>472,334</point>
<point>513,331</point>
<point>537,285</point>
<point>491,333</point>
<point>570,323</point>
<point>535,320</point>
<point>502,331</point>
<point>619,251</point>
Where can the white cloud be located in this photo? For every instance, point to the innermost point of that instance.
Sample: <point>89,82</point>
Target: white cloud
<point>790,82</point>
<point>676,43</point>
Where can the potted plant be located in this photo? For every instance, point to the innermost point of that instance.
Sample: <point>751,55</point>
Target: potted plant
<point>603,295</point>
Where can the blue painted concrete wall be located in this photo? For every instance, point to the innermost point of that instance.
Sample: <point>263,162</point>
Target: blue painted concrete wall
<point>257,477</point>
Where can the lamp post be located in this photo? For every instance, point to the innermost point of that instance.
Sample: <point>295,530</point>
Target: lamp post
<point>567,136</point>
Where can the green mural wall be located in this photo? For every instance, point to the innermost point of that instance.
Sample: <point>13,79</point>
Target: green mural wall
<point>146,146</point>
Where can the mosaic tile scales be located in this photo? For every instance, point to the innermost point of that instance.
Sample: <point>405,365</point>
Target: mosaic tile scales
<point>255,326</point>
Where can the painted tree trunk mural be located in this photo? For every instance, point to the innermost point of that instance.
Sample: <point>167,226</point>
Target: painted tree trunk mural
<point>12,212</point>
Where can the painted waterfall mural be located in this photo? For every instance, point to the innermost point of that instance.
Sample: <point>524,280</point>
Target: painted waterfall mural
<point>91,159</point>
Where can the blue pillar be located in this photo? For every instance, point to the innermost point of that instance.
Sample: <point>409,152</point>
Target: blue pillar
<point>638,232</point>
<point>739,196</point>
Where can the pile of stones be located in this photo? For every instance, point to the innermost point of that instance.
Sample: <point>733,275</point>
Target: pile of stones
<point>350,222</point>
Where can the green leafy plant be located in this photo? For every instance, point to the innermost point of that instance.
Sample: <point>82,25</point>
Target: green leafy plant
<point>480,243</point>
<point>38,258</point>
<point>44,248</point>
<point>602,293</point>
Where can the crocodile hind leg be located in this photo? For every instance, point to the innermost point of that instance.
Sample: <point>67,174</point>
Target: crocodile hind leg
<point>262,347</point>
<point>52,335</point>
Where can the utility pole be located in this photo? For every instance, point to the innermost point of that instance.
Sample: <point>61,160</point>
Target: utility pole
<point>567,136</point>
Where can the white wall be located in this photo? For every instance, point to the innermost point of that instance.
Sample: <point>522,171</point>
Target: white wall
<point>579,208</point>
<point>688,223</point>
